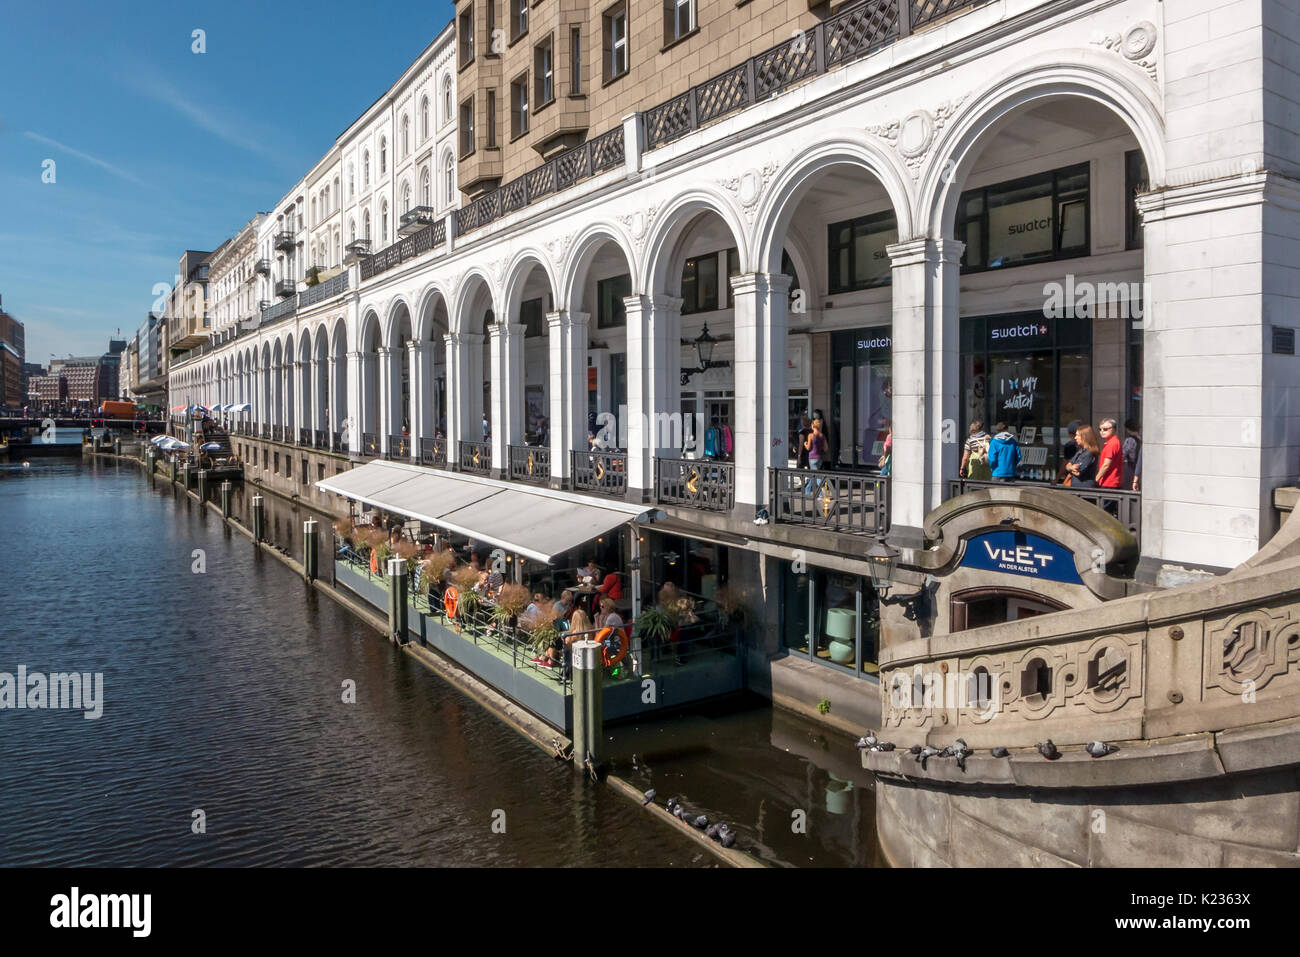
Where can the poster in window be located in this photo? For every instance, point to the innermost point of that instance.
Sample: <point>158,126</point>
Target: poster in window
<point>1020,231</point>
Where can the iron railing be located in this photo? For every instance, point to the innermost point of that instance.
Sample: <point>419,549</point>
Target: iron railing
<point>405,249</point>
<point>840,501</point>
<point>286,287</point>
<point>604,472</point>
<point>284,239</point>
<point>475,457</point>
<point>1123,505</point>
<point>699,483</point>
<point>399,447</point>
<point>581,162</point>
<point>433,452</point>
<point>370,444</point>
<point>336,442</point>
<point>333,286</point>
<point>262,266</point>
<point>530,463</point>
<point>320,439</point>
<point>279,310</point>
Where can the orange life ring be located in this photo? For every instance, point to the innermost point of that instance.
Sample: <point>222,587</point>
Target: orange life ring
<point>624,646</point>
<point>449,598</point>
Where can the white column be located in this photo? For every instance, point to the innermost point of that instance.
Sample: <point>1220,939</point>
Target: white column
<point>417,364</point>
<point>464,386</point>
<point>926,377</point>
<point>506,356</point>
<point>761,304</point>
<point>356,401</point>
<point>387,389</point>
<point>568,371</point>
<point>653,386</point>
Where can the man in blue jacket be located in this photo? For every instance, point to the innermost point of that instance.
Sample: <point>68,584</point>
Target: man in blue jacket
<point>1004,454</point>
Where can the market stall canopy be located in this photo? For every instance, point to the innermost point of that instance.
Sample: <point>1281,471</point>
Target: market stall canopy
<point>238,407</point>
<point>537,523</point>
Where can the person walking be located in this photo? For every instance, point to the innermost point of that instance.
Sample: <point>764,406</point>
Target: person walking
<point>1111,467</point>
<point>801,452</point>
<point>1082,468</point>
<point>975,454</point>
<point>1004,454</point>
<point>1132,451</point>
<point>816,447</point>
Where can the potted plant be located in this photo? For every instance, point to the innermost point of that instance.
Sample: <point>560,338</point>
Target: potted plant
<point>467,599</point>
<point>511,601</point>
<point>653,627</point>
<point>436,567</point>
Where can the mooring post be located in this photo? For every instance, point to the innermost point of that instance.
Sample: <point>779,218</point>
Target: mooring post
<point>117,445</point>
<point>588,719</point>
<point>310,550</point>
<point>203,485</point>
<point>226,491</point>
<point>397,600</point>
<point>174,467</point>
<point>259,519</point>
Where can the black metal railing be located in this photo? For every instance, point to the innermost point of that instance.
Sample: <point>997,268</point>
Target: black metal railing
<point>333,286</point>
<point>1123,505</point>
<point>284,239</point>
<point>530,463</point>
<point>286,287</point>
<point>304,436</point>
<point>595,156</point>
<point>604,472</point>
<point>370,444</point>
<point>414,219</point>
<point>840,501</point>
<point>698,483</point>
<point>266,430</point>
<point>475,457</point>
<point>279,310</point>
<point>399,447</point>
<point>433,452</point>
<point>262,266</point>
<point>405,249</point>
<point>336,442</point>
<point>320,439</point>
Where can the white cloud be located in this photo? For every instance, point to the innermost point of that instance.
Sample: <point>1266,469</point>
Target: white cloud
<point>94,160</point>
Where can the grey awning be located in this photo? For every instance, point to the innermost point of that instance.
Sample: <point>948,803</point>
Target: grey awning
<point>536,523</point>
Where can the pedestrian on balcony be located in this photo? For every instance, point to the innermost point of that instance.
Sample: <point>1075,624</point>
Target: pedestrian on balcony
<point>1004,453</point>
<point>975,454</point>
<point>1110,471</point>
<point>1067,451</point>
<point>805,430</point>
<point>1082,468</point>
<point>817,447</point>
<point>1132,451</point>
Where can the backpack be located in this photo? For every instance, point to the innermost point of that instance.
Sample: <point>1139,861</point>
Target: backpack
<point>977,466</point>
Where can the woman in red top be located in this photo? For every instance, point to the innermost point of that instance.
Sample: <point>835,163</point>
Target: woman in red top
<point>611,587</point>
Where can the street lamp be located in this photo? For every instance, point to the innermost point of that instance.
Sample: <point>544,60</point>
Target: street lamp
<point>882,558</point>
<point>704,344</point>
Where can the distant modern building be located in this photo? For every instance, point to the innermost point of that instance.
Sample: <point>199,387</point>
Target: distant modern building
<point>149,381</point>
<point>46,390</point>
<point>13,358</point>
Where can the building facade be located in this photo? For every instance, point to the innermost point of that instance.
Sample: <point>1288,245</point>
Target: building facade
<point>13,361</point>
<point>688,226</point>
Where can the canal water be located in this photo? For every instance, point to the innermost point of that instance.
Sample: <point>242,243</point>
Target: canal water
<point>224,680</point>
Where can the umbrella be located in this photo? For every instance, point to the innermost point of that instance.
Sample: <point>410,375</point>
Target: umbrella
<point>178,408</point>
<point>173,445</point>
<point>159,439</point>
<point>210,447</point>
<point>238,407</point>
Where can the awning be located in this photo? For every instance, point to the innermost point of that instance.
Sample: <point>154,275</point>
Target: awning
<point>537,523</point>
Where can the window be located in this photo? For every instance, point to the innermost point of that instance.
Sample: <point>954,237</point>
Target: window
<point>383,223</point>
<point>352,230</point>
<point>446,99</point>
<point>466,36</point>
<point>365,170</point>
<point>424,118</point>
<point>406,137</point>
<point>449,176</point>
<point>532,317</point>
<point>426,188</point>
<point>518,19</point>
<point>491,119</point>
<point>837,614</point>
<point>467,127</point>
<point>352,182</point>
<point>575,61</point>
<point>1034,219</point>
<point>406,198</point>
<point>610,293</point>
<point>679,19</point>
<point>519,106</point>
<point>365,225</point>
<point>700,284</point>
<point>383,155</point>
<point>1135,181</point>
<point>857,254</point>
<point>615,30</point>
<point>543,60</point>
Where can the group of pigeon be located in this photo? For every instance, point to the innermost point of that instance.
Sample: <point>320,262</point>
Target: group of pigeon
<point>721,833</point>
<point>960,750</point>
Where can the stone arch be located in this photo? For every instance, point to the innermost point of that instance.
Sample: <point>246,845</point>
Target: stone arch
<point>585,247</point>
<point>470,298</point>
<point>671,224</point>
<point>517,276</point>
<point>398,307</point>
<point>429,299</point>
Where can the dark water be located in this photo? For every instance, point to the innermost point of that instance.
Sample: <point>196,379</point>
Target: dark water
<point>223,692</point>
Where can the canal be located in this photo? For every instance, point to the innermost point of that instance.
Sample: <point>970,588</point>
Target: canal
<point>224,682</point>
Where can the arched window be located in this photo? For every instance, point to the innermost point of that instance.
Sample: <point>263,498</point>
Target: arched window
<point>338,248</point>
<point>424,118</point>
<point>449,174</point>
<point>365,170</point>
<point>383,155</point>
<point>383,223</point>
<point>425,186</point>
<point>313,210</point>
<point>352,182</point>
<point>365,225</point>
<point>406,137</point>
<point>446,99</point>
<point>406,198</point>
<point>352,230</point>
<point>338,196</point>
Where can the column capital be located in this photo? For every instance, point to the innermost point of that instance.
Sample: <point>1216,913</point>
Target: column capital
<point>913,251</point>
<point>669,305</point>
<point>463,338</point>
<point>356,355</point>
<point>385,352</point>
<point>760,283</point>
<point>563,318</point>
<point>418,347</point>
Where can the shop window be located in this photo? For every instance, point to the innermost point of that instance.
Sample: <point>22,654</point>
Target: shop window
<point>610,293</point>
<point>831,617</point>
<point>862,391</point>
<point>1135,181</point>
<point>795,604</point>
<point>857,252</point>
<point>1033,219</point>
<point>700,284</point>
<point>532,317</point>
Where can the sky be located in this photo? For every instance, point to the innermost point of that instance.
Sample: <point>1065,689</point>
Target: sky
<point>157,148</point>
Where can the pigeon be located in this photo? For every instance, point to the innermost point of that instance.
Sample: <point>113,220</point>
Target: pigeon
<point>1099,749</point>
<point>670,804</point>
<point>886,746</point>
<point>867,741</point>
<point>649,797</point>
<point>726,836</point>
<point>701,822</point>
<point>914,749</point>
<point>926,754</point>
<point>959,751</point>
<point>1048,750</point>
<point>679,812</point>
<point>1000,752</point>
<point>712,832</point>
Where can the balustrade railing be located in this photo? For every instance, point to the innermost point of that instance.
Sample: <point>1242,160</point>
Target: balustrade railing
<point>320,439</point>
<point>405,249</point>
<point>334,286</point>
<point>530,463</point>
<point>475,457</point>
<point>1122,504</point>
<point>840,501</point>
<point>698,483</point>
<point>399,447</point>
<point>304,436</point>
<point>433,452</point>
<point>369,444</point>
<point>604,472</point>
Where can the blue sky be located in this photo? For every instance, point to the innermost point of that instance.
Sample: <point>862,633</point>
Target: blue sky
<point>158,149</point>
